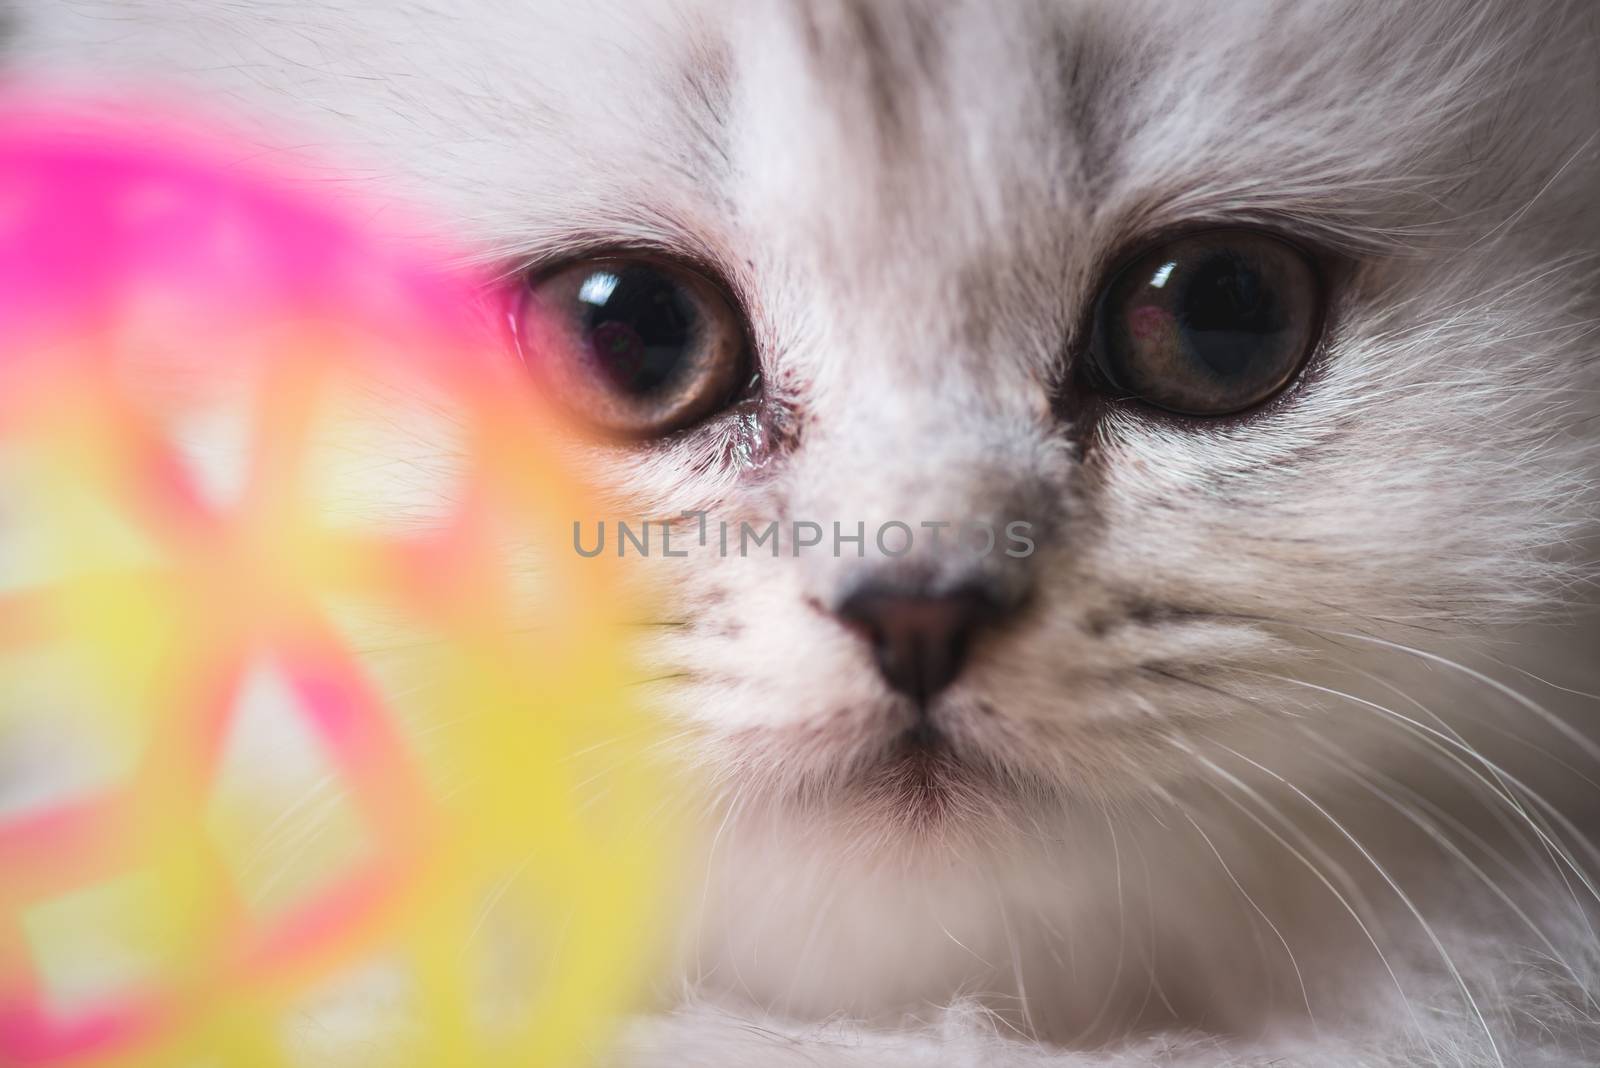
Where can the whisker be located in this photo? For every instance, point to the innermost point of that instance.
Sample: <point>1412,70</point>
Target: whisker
<point>1588,745</point>
<point>1284,942</point>
<point>1405,899</point>
<point>1032,1031</point>
<point>1153,984</point>
<point>1387,787</point>
<point>1122,939</point>
<point>1468,751</point>
<point>1557,856</point>
<point>1229,779</point>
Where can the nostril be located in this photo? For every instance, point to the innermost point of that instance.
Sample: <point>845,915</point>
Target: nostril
<point>920,641</point>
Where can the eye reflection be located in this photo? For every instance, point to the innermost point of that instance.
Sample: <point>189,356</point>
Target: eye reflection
<point>597,288</point>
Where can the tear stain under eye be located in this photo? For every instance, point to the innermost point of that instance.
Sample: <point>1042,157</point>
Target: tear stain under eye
<point>749,445</point>
<point>760,434</point>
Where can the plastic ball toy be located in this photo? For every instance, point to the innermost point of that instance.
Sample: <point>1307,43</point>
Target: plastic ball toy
<point>307,710</point>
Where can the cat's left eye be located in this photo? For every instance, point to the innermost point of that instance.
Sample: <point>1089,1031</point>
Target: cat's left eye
<point>633,347</point>
<point>1208,323</point>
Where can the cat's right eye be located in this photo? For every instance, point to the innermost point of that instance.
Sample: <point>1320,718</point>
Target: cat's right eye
<point>1208,323</point>
<point>634,347</point>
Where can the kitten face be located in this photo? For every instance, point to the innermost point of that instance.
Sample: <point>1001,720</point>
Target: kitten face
<point>915,208</point>
<point>919,209</point>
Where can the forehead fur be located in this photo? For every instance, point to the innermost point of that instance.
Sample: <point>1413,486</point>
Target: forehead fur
<point>1349,115</point>
<point>963,124</point>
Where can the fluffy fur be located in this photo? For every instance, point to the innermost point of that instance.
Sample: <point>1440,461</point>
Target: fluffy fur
<point>1289,761</point>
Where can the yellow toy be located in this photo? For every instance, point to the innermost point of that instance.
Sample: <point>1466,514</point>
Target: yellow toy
<point>282,584</point>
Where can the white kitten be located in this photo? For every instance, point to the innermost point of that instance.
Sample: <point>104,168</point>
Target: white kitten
<point>1251,761</point>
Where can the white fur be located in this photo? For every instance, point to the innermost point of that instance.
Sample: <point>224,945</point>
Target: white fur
<point>1273,709</point>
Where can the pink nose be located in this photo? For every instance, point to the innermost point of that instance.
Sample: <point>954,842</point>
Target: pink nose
<point>920,641</point>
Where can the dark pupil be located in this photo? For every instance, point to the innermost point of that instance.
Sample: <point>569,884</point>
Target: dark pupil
<point>640,326</point>
<point>1229,314</point>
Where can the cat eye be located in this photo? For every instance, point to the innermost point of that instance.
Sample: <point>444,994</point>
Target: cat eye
<point>631,346</point>
<point>1209,323</point>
